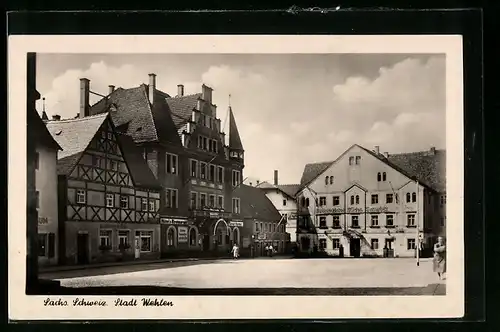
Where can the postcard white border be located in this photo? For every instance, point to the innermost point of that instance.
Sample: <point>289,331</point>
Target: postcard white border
<point>22,307</point>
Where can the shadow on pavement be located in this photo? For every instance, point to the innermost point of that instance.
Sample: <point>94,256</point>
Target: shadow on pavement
<point>433,289</point>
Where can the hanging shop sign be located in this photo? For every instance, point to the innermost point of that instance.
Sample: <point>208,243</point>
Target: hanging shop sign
<point>43,221</point>
<point>182,234</point>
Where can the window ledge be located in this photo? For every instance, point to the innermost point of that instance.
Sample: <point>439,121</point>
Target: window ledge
<point>390,226</point>
<point>411,226</point>
<point>373,226</point>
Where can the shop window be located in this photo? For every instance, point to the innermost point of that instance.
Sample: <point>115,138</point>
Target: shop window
<point>192,237</point>
<point>123,238</point>
<point>146,241</point>
<point>171,237</point>
<point>336,243</point>
<point>105,239</point>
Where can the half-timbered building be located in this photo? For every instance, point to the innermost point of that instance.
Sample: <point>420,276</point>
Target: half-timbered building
<point>183,142</point>
<point>108,198</point>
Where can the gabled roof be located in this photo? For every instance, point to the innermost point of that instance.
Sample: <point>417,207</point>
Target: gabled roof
<point>137,165</point>
<point>38,132</point>
<point>425,166</point>
<point>234,135</point>
<point>181,109</point>
<point>132,108</point>
<point>255,204</point>
<point>288,189</point>
<point>74,136</point>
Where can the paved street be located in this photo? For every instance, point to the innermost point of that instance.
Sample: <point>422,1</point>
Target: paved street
<point>260,274</point>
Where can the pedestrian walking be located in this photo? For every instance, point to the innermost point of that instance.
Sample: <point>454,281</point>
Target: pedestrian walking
<point>439,260</point>
<point>235,251</point>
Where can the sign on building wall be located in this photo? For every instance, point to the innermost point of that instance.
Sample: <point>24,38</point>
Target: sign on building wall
<point>43,221</point>
<point>262,236</point>
<point>330,211</point>
<point>292,216</point>
<point>171,221</point>
<point>378,209</point>
<point>182,234</point>
<point>236,224</point>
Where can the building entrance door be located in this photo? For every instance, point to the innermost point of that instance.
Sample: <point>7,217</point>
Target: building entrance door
<point>305,243</point>
<point>355,247</point>
<point>389,247</point>
<point>82,245</point>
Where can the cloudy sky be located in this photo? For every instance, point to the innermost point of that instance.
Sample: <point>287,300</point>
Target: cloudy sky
<point>290,109</point>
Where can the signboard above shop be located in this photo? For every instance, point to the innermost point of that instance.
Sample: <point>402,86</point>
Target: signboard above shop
<point>174,221</point>
<point>236,224</point>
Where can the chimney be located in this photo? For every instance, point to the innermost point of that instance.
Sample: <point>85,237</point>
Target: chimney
<point>377,149</point>
<point>111,89</point>
<point>275,177</point>
<point>433,150</point>
<point>386,154</point>
<point>56,117</point>
<point>152,87</point>
<point>206,93</point>
<point>180,90</point>
<point>84,97</point>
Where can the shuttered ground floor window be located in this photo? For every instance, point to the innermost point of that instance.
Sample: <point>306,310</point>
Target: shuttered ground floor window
<point>46,245</point>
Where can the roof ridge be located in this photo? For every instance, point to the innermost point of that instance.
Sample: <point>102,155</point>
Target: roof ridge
<point>184,96</point>
<point>89,117</point>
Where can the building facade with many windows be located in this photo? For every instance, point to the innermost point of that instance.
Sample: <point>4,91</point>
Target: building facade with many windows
<point>108,198</point>
<point>184,144</point>
<point>370,204</point>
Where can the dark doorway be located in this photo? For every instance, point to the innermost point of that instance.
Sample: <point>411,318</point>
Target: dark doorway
<point>389,247</point>
<point>206,242</point>
<point>82,241</point>
<point>355,247</point>
<point>305,243</point>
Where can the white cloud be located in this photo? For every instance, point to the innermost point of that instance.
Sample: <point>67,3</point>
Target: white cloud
<point>286,120</point>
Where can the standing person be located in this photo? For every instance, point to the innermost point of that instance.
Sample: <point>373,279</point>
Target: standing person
<point>235,251</point>
<point>267,250</point>
<point>271,250</point>
<point>439,260</point>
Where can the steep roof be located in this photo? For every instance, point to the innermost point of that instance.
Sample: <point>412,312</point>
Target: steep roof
<point>425,166</point>
<point>288,189</point>
<point>234,135</point>
<point>181,109</point>
<point>137,165</point>
<point>130,108</point>
<point>255,204</point>
<point>74,136</point>
<point>312,170</point>
<point>38,132</point>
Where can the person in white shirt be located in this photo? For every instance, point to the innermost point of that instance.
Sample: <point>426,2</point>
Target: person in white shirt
<point>235,251</point>
<point>271,250</point>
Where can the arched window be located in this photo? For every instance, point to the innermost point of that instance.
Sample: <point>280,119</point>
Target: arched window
<point>378,177</point>
<point>331,179</point>
<point>192,237</point>
<point>408,198</point>
<point>352,199</point>
<point>384,176</point>
<point>357,199</point>
<point>413,197</point>
<point>236,236</point>
<point>326,180</point>
<point>171,237</point>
